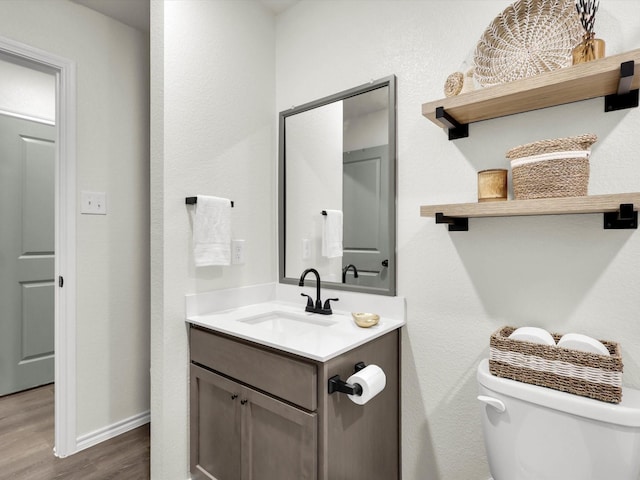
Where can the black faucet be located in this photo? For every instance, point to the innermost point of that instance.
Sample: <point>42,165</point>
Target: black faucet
<point>346,269</point>
<point>317,307</point>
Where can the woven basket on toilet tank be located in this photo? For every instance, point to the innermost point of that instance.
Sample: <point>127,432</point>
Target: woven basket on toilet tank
<point>581,373</point>
<point>551,168</point>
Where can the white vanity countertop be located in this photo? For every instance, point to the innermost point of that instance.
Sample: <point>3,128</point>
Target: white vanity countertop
<point>286,326</point>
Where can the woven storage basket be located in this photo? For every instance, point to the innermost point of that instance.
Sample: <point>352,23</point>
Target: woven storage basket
<point>551,168</point>
<point>581,373</point>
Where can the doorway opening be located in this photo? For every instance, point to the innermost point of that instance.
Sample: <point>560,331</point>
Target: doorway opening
<point>27,239</point>
<point>59,281</point>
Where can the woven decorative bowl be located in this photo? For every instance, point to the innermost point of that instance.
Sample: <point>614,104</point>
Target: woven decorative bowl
<point>581,373</point>
<point>551,168</point>
<point>528,38</point>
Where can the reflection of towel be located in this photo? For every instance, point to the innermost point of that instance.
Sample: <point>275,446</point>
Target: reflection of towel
<point>212,231</point>
<point>332,234</point>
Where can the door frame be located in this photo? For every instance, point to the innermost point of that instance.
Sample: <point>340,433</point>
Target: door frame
<point>65,442</point>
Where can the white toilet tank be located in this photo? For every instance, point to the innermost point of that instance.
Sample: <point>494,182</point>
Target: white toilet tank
<point>536,433</point>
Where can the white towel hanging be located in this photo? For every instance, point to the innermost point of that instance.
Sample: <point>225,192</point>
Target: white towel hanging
<point>212,231</point>
<point>332,234</point>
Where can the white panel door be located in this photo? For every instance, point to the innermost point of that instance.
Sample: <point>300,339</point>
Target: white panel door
<point>27,184</point>
<point>365,203</point>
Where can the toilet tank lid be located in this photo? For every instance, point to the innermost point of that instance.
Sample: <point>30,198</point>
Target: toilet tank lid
<point>626,413</point>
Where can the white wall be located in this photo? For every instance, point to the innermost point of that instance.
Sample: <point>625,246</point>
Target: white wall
<point>366,131</point>
<point>112,156</point>
<point>27,92</point>
<point>213,132</point>
<point>314,179</point>
<point>563,273</point>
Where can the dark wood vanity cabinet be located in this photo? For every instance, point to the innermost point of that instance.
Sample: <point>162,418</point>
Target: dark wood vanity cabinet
<point>261,414</point>
<point>252,412</point>
<point>244,434</point>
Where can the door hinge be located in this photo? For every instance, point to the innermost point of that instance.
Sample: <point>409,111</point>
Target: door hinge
<point>60,281</point>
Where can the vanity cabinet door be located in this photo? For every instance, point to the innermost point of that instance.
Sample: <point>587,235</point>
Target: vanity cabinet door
<point>215,426</point>
<point>238,433</point>
<point>279,440</point>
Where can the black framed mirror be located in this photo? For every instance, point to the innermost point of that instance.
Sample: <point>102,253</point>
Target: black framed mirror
<point>338,154</point>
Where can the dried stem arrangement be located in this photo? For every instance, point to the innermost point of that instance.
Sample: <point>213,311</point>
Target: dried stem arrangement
<point>590,48</point>
<point>587,12</point>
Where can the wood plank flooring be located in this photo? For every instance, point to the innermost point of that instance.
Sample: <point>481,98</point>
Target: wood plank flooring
<point>26,445</point>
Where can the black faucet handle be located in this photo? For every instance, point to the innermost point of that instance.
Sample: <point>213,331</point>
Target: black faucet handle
<point>309,300</point>
<point>327,305</point>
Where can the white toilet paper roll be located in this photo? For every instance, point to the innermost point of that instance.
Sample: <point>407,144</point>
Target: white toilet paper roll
<point>372,380</point>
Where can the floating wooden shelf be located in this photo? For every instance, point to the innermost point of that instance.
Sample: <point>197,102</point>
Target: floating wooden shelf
<point>613,78</point>
<point>579,82</point>
<point>623,206</point>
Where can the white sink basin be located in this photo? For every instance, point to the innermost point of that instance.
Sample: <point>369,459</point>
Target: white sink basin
<point>287,327</point>
<point>290,323</point>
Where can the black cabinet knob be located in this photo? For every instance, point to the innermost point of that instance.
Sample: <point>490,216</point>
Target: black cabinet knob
<point>234,396</point>
<point>243,402</point>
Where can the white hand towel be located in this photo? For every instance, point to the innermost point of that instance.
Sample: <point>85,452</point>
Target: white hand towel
<point>212,231</point>
<point>332,234</point>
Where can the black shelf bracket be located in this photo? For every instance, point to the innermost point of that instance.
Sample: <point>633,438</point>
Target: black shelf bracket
<point>456,130</point>
<point>624,97</point>
<point>625,218</point>
<point>456,224</point>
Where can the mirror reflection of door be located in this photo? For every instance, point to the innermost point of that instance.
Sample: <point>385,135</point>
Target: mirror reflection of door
<point>27,184</point>
<point>365,189</point>
<point>365,201</point>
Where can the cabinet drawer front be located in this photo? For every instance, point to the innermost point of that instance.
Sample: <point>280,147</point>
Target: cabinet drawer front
<point>290,379</point>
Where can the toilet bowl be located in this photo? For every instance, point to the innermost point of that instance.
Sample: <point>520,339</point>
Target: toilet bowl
<point>537,433</point>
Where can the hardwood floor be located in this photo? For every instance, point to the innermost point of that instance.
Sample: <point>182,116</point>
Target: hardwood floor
<point>26,445</point>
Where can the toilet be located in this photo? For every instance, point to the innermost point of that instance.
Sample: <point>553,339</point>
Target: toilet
<point>537,433</point>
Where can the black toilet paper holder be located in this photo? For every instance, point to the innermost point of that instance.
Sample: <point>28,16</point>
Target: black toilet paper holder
<point>338,385</point>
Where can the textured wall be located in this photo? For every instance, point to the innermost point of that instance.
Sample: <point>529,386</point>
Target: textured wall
<point>213,132</point>
<point>112,156</point>
<point>563,273</point>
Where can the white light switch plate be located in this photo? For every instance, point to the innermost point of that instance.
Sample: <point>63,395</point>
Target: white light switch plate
<point>237,252</point>
<point>306,249</point>
<point>93,203</point>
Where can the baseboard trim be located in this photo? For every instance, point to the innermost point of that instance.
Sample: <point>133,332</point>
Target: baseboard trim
<point>98,436</point>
